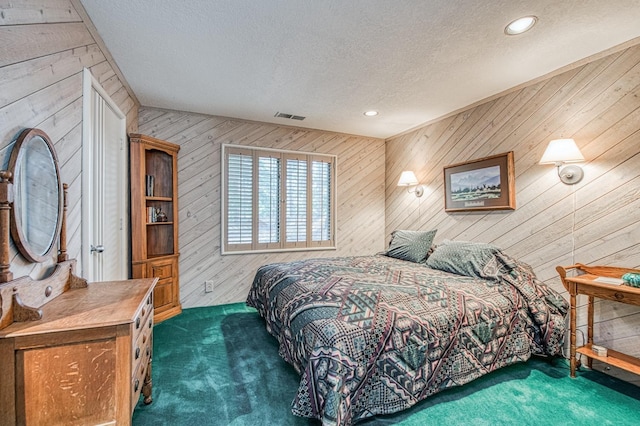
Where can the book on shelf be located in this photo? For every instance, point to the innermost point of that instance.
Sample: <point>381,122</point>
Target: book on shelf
<point>152,215</point>
<point>149,181</point>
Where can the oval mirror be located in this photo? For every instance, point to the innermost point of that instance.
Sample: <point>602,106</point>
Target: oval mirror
<point>37,202</point>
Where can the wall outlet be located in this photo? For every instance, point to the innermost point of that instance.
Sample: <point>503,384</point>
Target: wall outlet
<point>208,286</point>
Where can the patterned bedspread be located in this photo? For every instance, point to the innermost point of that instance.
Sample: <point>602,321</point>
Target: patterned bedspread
<point>374,335</point>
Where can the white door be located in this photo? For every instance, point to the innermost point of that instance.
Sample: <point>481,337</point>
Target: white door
<point>105,243</point>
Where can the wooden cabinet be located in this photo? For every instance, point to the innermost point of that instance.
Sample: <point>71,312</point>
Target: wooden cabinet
<point>154,219</point>
<point>592,282</point>
<point>85,361</point>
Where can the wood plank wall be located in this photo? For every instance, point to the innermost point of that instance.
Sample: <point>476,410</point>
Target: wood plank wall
<point>596,221</point>
<point>360,196</point>
<point>45,46</point>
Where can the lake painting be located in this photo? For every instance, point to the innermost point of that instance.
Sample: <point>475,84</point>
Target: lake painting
<point>479,184</point>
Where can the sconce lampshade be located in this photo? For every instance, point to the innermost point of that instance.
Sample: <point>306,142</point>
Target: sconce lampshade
<point>408,178</point>
<point>561,151</point>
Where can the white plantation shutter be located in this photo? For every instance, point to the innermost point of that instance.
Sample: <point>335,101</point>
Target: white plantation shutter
<point>277,200</point>
<point>321,201</point>
<point>269,200</point>
<point>296,201</point>
<point>239,199</point>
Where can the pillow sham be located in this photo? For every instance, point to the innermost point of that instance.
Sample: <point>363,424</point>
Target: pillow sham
<point>469,258</point>
<point>412,246</point>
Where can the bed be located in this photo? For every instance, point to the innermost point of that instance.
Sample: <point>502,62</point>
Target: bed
<point>376,334</point>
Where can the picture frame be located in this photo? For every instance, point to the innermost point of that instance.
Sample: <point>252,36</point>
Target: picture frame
<point>484,184</point>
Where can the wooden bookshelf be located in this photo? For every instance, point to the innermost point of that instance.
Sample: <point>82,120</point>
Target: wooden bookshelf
<point>154,236</point>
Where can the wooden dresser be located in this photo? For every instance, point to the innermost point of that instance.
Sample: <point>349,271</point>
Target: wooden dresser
<point>71,352</point>
<point>85,361</point>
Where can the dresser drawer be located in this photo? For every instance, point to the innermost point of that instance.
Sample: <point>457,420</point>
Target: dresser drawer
<point>141,346</point>
<point>139,374</point>
<point>141,320</point>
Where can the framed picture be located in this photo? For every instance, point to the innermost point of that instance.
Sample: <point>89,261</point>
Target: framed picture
<point>484,184</point>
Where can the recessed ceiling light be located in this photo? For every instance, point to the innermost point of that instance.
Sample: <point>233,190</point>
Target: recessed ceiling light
<point>521,25</point>
<point>371,113</point>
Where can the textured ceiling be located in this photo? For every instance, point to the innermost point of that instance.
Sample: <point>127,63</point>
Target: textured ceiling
<point>331,60</point>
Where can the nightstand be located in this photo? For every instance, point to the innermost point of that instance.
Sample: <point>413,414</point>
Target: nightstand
<point>592,283</point>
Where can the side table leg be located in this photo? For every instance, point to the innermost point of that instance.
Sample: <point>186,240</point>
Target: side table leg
<point>590,329</point>
<point>572,325</point>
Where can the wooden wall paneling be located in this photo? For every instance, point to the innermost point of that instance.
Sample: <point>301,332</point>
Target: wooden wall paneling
<point>111,84</point>
<point>24,42</point>
<point>64,120</point>
<point>67,147</point>
<point>40,12</point>
<point>309,141</point>
<point>626,194</point>
<point>525,108</point>
<point>438,151</point>
<point>21,79</point>
<point>190,128</point>
<point>150,114</point>
<point>132,119</point>
<point>39,106</point>
<point>582,78</point>
<point>102,71</point>
<point>428,176</point>
<point>45,46</point>
<point>582,103</point>
<point>360,184</point>
<point>595,221</point>
<point>120,96</point>
<point>162,119</point>
<point>77,5</point>
<point>249,133</point>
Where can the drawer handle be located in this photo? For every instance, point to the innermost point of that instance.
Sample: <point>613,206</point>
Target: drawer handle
<point>148,350</point>
<point>144,338</point>
<point>137,353</point>
<point>137,322</point>
<point>136,385</point>
<point>618,296</point>
<point>150,322</point>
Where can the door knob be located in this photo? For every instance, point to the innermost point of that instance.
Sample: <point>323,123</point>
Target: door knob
<point>97,249</point>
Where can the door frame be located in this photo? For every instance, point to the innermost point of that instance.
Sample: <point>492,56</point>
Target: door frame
<point>89,82</point>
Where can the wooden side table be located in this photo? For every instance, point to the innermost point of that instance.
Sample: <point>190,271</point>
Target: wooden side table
<point>592,283</point>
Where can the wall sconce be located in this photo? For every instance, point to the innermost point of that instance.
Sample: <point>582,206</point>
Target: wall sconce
<point>408,178</point>
<point>561,151</point>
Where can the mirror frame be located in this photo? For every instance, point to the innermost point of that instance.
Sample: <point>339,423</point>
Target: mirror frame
<point>14,166</point>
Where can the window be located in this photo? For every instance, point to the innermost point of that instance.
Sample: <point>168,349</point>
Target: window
<point>277,200</point>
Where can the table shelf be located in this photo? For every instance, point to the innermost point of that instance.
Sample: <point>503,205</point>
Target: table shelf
<point>614,358</point>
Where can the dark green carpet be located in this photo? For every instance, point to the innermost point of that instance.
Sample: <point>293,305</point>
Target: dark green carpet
<point>219,366</point>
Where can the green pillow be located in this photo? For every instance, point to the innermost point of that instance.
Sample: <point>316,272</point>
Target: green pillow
<point>413,246</point>
<point>469,258</point>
